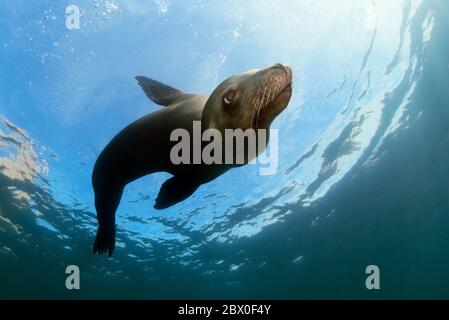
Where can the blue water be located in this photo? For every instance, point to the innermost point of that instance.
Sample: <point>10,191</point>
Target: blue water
<point>363,173</point>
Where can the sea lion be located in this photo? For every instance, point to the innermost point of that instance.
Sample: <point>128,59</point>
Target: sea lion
<point>251,100</point>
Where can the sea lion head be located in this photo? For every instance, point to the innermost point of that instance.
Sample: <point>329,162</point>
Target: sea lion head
<point>250,100</point>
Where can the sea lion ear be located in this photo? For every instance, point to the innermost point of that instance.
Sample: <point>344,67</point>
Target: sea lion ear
<point>158,92</point>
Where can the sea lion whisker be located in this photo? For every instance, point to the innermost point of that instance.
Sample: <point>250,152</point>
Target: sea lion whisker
<point>262,105</point>
<point>259,107</point>
<point>253,107</point>
<point>257,110</point>
<point>256,105</point>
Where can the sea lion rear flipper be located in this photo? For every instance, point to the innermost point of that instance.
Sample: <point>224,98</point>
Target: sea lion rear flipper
<point>158,92</point>
<point>175,190</point>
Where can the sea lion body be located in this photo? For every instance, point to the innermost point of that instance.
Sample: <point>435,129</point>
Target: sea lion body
<point>144,146</point>
<point>252,99</point>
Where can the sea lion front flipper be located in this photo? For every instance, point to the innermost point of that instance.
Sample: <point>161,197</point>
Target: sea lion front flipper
<point>175,190</point>
<point>158,92</point>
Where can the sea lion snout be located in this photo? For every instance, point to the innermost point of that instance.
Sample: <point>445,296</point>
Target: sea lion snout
<point>280,75</point>
<point>286,68</point>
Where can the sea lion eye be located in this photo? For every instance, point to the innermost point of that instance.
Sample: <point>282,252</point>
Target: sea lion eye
<point>229,98</point>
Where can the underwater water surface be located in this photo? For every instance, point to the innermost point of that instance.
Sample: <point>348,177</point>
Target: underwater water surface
<point>363,176</point>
